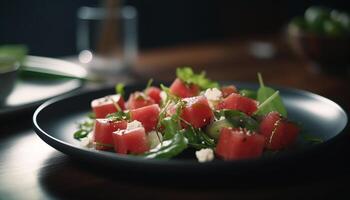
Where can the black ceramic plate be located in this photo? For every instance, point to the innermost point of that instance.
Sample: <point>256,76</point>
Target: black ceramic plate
<point>37,90</point>
<point>55,122</point>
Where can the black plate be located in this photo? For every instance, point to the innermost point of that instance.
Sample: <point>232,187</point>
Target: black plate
<point>38,90</point>
<point>55,122</point>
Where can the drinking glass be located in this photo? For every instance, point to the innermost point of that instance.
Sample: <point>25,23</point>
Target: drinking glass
<point>107,38</point>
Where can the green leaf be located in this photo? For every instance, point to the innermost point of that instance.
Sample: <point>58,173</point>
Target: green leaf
<point>248,93</point>
<point>85,127</point>
<point>198,139</point>
<point>171,127</point>
<point>119,89</point>
<point>187,75</point>
<point>170,96</point>
<point>168,148</point>
<point>81,134</point>
<point>274,105</point>
<point>240,119</point>
<point>117,116</point>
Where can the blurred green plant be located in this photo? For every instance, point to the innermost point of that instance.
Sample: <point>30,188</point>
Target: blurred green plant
<point>323,21</point>
<point>16,52</point>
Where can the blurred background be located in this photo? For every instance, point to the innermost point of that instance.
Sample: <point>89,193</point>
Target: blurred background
<point>156,36</point>
<point>125,41</point>
<point>49,28</point>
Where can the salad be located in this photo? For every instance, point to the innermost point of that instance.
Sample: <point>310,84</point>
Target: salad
<point>194,112</point>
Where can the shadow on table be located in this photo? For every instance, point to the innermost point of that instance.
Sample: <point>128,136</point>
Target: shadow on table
<point>68,178</point>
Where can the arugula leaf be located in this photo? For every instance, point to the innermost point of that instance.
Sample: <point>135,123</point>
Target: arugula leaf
<point>169,96</point>
<point>168,148</point>
<point>119,89</point>
<point>198,139</point>
<point>171,126</point>
<point>275,105</point>
<point>119,115</point>
<point>240,119</point>
<point>188,76</point>
<point>85,128</point>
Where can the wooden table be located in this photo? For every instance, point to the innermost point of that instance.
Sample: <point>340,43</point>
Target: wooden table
<point>30,169</point>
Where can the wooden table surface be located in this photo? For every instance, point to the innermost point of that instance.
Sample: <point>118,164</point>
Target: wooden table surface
<point>30,169</point>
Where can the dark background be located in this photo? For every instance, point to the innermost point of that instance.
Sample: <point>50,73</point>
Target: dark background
<point>49,27</point>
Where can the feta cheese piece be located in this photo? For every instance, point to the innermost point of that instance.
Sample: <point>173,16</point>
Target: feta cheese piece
<point>132,125</point>
<point>205,155</point>
<point>213,94</point>
<point>88,141</point>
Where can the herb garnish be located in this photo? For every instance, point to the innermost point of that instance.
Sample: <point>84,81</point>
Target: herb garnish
<point>187,75</point>
<point>119,89</point>
<point>119,115</point>
<point>85,128</point>
<point>168,148</point>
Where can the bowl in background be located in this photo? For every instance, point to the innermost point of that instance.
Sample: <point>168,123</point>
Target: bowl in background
<point>330,54</point>
<point>322,36</point>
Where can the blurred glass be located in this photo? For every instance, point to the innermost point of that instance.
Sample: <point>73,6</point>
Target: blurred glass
<point>107,38</point>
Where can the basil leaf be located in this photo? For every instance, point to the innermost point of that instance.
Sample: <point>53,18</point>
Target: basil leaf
<point>275,105</point>
<point>168,148</point>
<point>240,119</point>
<point>187,75</point>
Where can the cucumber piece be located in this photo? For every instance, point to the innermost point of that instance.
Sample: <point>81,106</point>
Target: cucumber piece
<point>213,130</point>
